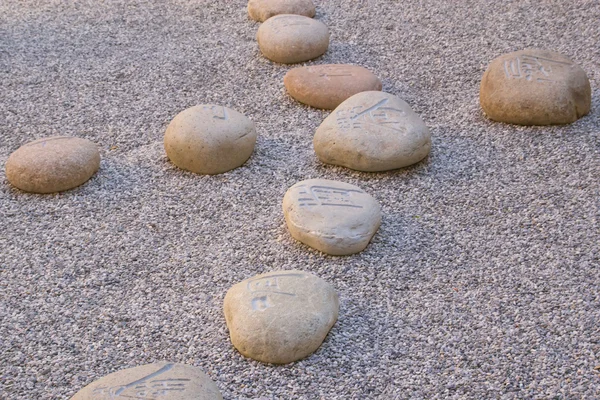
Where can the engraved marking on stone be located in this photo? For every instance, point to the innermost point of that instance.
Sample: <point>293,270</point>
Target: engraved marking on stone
<point>44,141</point>
<point>267,287</point>
<point>328,72</point>
<point>286,21</point>
<point>270,284</point>
<point>386,117</point>
<point>327,196</point>
<point>261,303</point>
<point>531,68</point>
<point>146,388</point>
<point>219,112</point>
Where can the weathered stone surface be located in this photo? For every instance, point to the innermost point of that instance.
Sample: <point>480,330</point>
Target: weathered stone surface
<point>53,164</point>
<point>327,86</point>
<point>334,217</point>
<point>535,87</point>
<point>262,10</point>
<point>372,131</point>
<point>209,139</point>
<point>166,381</point>
<point>292,39</point>
<point>281,316</point>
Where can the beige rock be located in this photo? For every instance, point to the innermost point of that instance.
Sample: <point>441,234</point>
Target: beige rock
<point>292,39</point>
<point>53,164</point>
<point>535,87</point>
<point>334,217</point>
<point>262,10</point>
<point>209,139</point>
<point>372,131</point>
<point>166,381</point>
<point>327,86</point>
<point>281,316</point>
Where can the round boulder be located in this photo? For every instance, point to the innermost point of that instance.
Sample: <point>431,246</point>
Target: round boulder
<point>327,86</point>
<point>290,39</point>
<point>262,10</point>
<point>53,164</point>
<point>336,218</point>
<point>280,317</point>
<point>166,381</point>
<point>209,139</point>
<point>372,131</point>
<point>535,87</point>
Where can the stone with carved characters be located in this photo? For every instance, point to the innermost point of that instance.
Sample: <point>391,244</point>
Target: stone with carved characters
<point>262,10</point>
<point>209,139</point>
<point>281,316</point>
<point>327,86</point>
<point>290,39</point>
<point>167,381</point>
<point>535,87</point>
<point>334,217</point>
<point>372,131</point>
<point>52,164</point>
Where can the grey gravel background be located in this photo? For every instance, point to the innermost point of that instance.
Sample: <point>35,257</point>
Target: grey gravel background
<point>482,283</point>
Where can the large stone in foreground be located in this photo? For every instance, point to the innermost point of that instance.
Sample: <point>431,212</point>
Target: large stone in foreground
<point>165,381</point>
<point>372,131</point>
<point>209,139</point>
<point>327,86</point>
<point>292,39</point>
<point>334,217</point>
<point>281,316</point>
<point>535,87</point>
<point>52,164</point>
<point>262,10</point>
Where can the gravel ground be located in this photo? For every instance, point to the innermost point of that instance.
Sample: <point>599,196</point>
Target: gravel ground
<point>482,283</point>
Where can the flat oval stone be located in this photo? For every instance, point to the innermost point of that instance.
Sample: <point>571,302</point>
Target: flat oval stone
<point>327,86</point>
<point>281,316</point>
<point>262,10</point>
<point>290,39</point>
<point>336,218</point>
<point>167,381</point>
<point>372,131</point>
<point>209,139</point>
<point>53,164</point>
<point>535,87</point>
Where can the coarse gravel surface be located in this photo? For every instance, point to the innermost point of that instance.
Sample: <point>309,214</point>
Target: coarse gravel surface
<point>483,281</point>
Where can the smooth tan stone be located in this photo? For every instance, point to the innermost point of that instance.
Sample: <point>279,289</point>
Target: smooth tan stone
<point>281,316</point>
<point>372,131</point>
<point>209,139</point>
<point>292,39</point>
<point>535,87</point>
<point>53,164</point>
<point>165,381</point>
<point>334,217</point>
<point>262,10</point>
<point>327,86</point>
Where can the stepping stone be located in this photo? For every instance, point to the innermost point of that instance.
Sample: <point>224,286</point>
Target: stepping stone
<point>281,316</point>
<point>535,87</point>
<point>290,39</point>
<point>327,86</point>
<point>209,139</point>
<point>53,164</point>
<point>165,381</point>
<point>372,131</point>
<point>262,10</point>
<point>336,218</point>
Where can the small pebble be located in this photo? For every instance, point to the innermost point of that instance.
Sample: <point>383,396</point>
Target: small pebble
<point>535,87</point>
<point>281,316</point>
<point>53,164</point>
<point>290,39</point>
<point>209,139</point>
<point>372,131</point>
